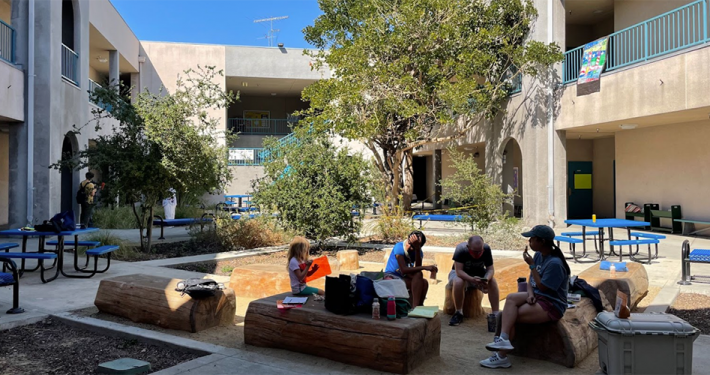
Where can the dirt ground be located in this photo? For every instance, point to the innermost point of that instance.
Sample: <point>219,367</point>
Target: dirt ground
<point>461,347</point>
<point>693,308</point>
<point>51,347</point>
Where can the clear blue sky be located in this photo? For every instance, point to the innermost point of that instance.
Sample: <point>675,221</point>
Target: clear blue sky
<point>229,22</point>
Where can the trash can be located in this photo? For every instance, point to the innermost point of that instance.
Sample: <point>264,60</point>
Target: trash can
<point>644,344</point>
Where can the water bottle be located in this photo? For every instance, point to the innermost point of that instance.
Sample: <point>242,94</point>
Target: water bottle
<point>491,322</point>
<point>594,218</point>
<point>375,309</point>
<point>522,284</point>
<point>391,308</point>
<point>612,271</point>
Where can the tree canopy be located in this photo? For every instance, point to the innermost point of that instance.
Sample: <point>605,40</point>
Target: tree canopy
<point>406,73</point>
<point>158,142</point>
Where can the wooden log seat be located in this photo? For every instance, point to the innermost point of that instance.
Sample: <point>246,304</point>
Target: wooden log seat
<point>394,346</point>
<point>566,342</point>
<point>153,300</point>
<point>507,271</point>
<point>263,280</point>
<point>571,340</point>
<point>348,260</point>
<point>634,282</point>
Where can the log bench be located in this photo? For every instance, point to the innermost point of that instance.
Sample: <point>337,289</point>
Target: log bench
<point>153,300</point>
<point>263,280</point>
<point>571,340</point>
<point>507,272</point>
<point>394,346</point>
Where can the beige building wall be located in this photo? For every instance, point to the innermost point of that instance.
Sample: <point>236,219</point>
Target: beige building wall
<point>667,165</point>
<point>6,11</point>
<point>165,62</point>
<point>678,84</point>
<point>580,150</point>
<point>12,92</point>
<point>603,177</point>
<point>4,177</point>
<point>631,12</point>
<point>579,35</point>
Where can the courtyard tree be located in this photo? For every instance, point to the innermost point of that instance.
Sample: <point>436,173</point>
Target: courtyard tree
<point>158,142</point>
<point>406,73</point>
<point>314,186</point>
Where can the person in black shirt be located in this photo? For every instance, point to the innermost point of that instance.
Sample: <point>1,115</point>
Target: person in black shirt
<point>473,268</point>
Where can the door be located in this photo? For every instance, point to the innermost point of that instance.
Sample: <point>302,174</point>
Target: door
<point>419,170</point>
<point>579,190</point>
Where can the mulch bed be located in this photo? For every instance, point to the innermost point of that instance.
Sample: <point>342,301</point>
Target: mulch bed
<point>693,308</point>
<point>52,347</point>
<point>173,250</point>
<point>225,267</point>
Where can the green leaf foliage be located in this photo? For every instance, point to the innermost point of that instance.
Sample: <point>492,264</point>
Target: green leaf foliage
<point>410,72</point>
<point>157,142</point>
<point>314,186</point>
<point>480,199</point>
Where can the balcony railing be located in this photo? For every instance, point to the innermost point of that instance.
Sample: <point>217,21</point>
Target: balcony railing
<point>260,126</point>
<point>93,85</point>
<point>70,64</point>
<point>677,29</point>
<point>7,42</point>
<point>246,156</point>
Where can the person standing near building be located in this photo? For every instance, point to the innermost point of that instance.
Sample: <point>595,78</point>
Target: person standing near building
<point>169,205</point>
<point>88,188</point>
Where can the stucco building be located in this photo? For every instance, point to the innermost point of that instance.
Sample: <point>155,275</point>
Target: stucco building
<point>641,137</point>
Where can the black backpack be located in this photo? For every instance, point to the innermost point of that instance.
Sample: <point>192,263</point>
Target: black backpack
<point>198,288</point>
<point>341,298</point>
<point>81,194</point>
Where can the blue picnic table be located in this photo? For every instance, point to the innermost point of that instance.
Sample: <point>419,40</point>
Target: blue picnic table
<point>608,224</point>
<point>25,234</point>
<point>238,197</point>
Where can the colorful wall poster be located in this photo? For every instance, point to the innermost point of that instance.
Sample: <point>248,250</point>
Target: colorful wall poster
<point>258,119</point>
<point>593,60</point>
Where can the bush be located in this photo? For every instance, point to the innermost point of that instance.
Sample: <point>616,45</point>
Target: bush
<point>125,250</point>
<point>247,234</point>
<point>481,200</point>
<point>114,218</point>
<point>314,186</point>
<point>393,225</point>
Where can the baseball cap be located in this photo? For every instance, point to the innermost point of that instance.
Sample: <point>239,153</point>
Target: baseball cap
<point>541,231</point>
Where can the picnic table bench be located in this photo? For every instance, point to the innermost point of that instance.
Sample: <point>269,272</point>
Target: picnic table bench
<point>688,222</point>
<point>153,300</point>
<point>397,346</point>
<point>13,277</point>
<point>674,214</point>
<point>688,257</point>
<point>436,217</point>
<point>162,223</point>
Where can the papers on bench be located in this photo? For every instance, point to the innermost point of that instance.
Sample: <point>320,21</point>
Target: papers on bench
<point>424,312</point>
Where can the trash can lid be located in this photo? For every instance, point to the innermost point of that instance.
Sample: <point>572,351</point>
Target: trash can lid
<point>646,324</point>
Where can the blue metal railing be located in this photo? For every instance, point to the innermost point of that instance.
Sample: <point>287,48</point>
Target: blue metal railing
<point>260,126</point>
<point>677,29</point>
<point>93,85</point>
<point>7,42</point>
<point>246,156</point>
<point>70,64</point>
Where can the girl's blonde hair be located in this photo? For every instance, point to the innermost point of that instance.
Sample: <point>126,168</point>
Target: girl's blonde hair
<point>299,249</point>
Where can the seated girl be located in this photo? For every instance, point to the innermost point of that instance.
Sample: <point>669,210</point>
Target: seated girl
<point>299,267</point>
<point>545,299</point>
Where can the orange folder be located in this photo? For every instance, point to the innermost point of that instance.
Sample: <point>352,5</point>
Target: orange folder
<point>323,268</point>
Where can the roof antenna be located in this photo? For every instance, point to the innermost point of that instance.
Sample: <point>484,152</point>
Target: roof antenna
<point>271,34</point>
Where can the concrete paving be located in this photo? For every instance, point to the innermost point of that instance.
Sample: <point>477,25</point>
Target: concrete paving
<point>63,295</point>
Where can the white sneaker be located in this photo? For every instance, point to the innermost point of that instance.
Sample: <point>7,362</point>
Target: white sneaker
<point>496,362</point>
<point>499,344</point>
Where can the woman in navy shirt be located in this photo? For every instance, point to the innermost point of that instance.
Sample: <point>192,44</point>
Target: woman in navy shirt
<point>545,299</point>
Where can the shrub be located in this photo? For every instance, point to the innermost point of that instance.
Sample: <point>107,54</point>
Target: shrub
<point>481,199</point>
<point>314,186</point>
<point>393,225</point>
<point>247,234</point>
<point>125,250</point>
<point>114,218</point>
